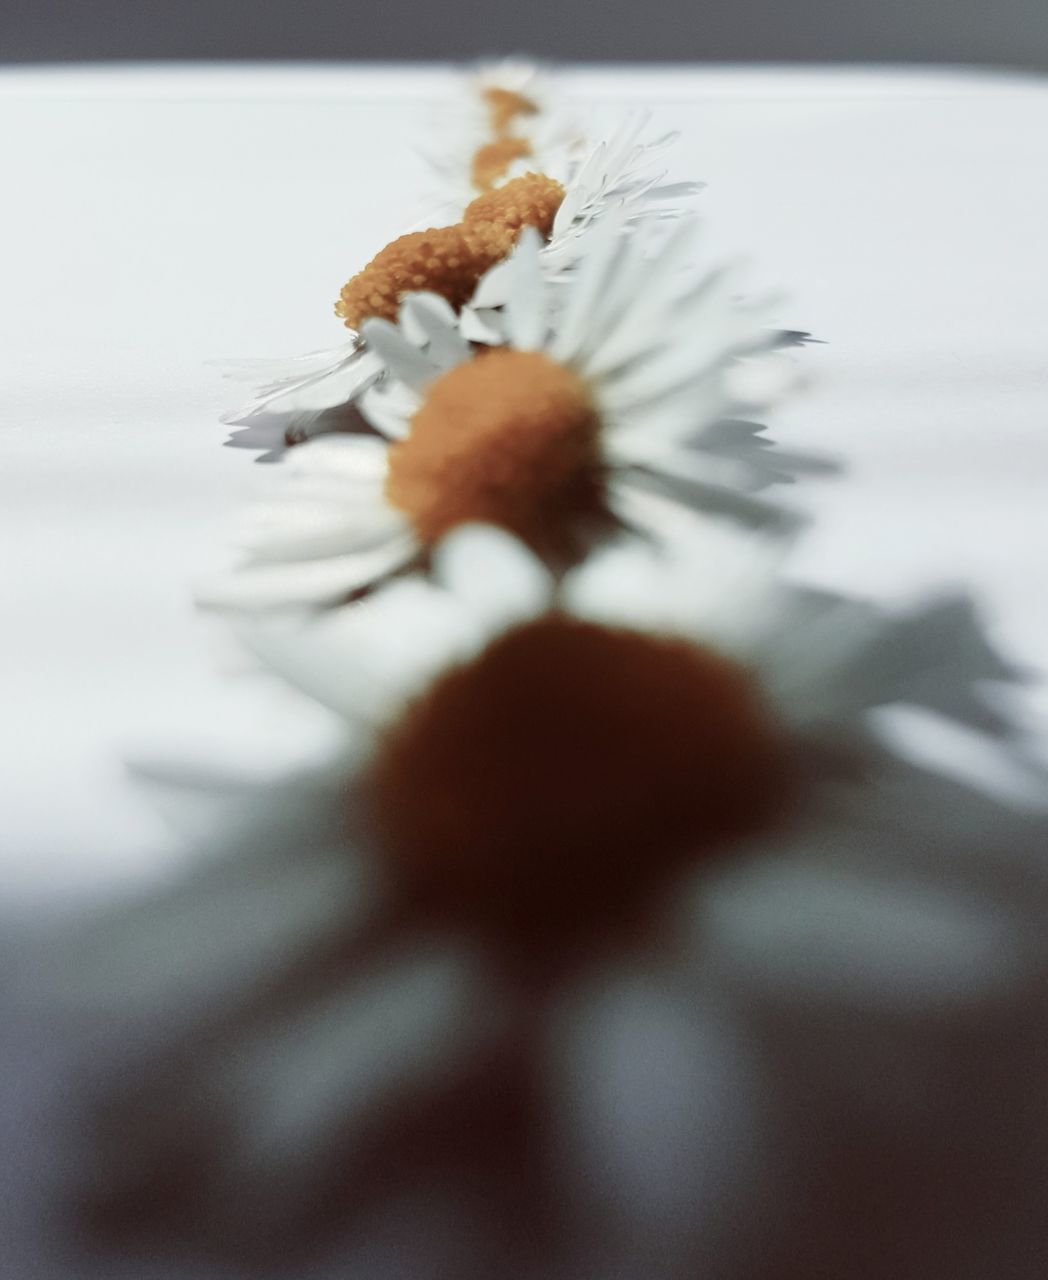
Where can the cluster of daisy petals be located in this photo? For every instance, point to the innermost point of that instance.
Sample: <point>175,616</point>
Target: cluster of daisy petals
<point>617,846</point>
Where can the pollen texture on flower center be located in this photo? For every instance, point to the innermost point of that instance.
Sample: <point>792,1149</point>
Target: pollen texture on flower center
<point>510,438</point>
<point>493,221</point>
<point>439,260</point>
<point>505,105</point>
<point>450,260</point>
<point>554,782</point>
<point>492,160</point>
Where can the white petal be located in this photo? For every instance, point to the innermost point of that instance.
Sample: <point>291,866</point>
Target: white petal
<point>403,360</point>
<point>304,584</point>
<point>656,1100</point>
<point>586,182</point>
<point>687,465</point>
<point>346,458</point>
<point>298,1087</point>
<point>829,932</point>
<point>338,388</point>
<point>348,371</point>
<point>307,529</point>
<point>389,408</point>
<point>484,326</point>
<point>695,576</point>
<point>621,289</point>
<point>525,306</point>
<point>670,414</point>
<point>658,286</point>
<point>585,291</point>
<point>287,368</point>
<point>710,336</point>
<point>493,575</point>
<point>435,319</point>
<point>367,660</point>
<point>493,288</point>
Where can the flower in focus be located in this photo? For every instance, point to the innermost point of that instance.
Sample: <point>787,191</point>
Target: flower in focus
<point>619,919</point>
<point>602,390</point>
<point>564,207</point>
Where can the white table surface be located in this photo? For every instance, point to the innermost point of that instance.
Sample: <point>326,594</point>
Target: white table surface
<point>153,219</point>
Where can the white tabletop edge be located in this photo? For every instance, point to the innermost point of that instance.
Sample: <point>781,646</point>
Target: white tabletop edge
<point>413,81</point>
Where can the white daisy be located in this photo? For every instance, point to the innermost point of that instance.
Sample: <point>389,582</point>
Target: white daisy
<point>509,92</point>
<point>621,949</point>
<point>560,434</point>
<point>616,177</point>
<point>508,119</point>
<point>518,76</point>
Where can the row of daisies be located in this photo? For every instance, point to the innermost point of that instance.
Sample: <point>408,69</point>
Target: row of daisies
<point>598,744</point>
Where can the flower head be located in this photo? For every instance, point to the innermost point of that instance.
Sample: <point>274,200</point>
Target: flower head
<point>629,376</point>
<point>564,197</point>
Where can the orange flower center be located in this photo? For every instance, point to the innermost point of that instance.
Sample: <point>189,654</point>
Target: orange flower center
<point>450,260</point>
<point>505,105</point>
<point>510,438</point>
<point>555,782</point>
<point>492,161</point>
<point>493,221</point>
<point>439,260</point>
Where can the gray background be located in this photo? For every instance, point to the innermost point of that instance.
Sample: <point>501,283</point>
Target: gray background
<point>1009,32</point>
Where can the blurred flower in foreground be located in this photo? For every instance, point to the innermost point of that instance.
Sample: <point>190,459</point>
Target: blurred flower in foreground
<point>615,178</point>
<point>623,379</point>
<point>617,947</point>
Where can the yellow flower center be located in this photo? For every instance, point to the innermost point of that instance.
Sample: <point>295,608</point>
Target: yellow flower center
<point>554,783</point>
<point>450,260</point>
<point>505,105</point>
<point>510,438</point>
<point>492,161</point>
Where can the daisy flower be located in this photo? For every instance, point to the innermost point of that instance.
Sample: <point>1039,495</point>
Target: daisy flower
<point>621,175</point>
<point>621,947</point>
<point>512,90</point>
<point>603,388</point>
<point>563,208</point>
<point>508,119</point>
